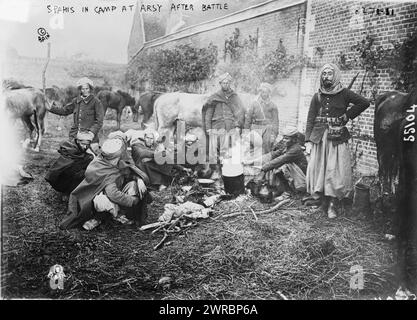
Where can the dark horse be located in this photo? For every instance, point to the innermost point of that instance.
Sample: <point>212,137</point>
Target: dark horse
<point>395,137</point>
<point>145,106</point>
<point>116,100</point>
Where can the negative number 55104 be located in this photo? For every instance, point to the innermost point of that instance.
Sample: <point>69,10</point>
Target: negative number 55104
<point>409,129</point>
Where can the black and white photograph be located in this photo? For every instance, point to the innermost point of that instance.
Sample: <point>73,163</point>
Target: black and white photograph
<point>222,153</point>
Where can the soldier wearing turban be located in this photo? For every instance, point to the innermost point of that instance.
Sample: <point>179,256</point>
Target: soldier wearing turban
<point>329,172</point>
<point>262,115</point>
<point>87,110</point>
<point>111,185</point>
<point>223,117</point>
<point>144,149</point>
<point>67,171</point>
<point>288,166</point>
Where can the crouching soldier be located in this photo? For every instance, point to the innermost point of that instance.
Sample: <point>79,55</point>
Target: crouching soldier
<point>143,154</point>
<point>108,180</point>
<point>287,167</point>
<point>67,171</point>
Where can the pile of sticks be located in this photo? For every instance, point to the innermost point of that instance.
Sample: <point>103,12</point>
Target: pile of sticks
<point>175,226</point>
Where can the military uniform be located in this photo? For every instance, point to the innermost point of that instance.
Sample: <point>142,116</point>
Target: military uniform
<point>325,111</point>
<point>263,115</point>
<point>223,112</point>
<point>87,112</point>
<point>329,171</point>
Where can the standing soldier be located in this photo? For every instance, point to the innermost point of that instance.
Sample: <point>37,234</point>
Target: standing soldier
<point>263,115</point>
<point>87,109</point>
<point>223,116</point>
<point>329,172</point>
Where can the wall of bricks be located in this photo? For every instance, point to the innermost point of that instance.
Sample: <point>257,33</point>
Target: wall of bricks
<point>330,27</point>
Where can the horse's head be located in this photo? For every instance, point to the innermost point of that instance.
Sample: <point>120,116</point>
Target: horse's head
<point>129,100</point>
<point>54,96</point>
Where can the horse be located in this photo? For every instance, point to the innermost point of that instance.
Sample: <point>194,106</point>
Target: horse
<point>395,135</point>
<point>145,106</point>
<point>24,103</point>
<point>116,100</point>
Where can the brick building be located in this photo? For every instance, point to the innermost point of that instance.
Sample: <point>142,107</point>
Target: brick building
<point>319,29</point>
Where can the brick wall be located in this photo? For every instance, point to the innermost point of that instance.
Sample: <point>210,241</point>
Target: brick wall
<point>328,27</point>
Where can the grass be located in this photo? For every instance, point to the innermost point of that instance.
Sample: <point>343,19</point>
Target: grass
<point>293,253</point>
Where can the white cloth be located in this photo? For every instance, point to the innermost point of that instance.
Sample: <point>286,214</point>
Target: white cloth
<point>85,80</point>
<point>103,204</point>
<point>329,170</point>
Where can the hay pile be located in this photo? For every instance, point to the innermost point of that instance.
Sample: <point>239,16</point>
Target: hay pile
<point>294,253</point>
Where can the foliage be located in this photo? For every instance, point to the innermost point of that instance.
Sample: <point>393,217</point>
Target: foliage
<point>250,70</point>
<point>279,65</point>
<point>402,63</point>
<point>400,60</point>
<point>174,68</point>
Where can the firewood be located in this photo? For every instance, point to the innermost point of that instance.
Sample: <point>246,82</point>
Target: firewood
<point>161,242</point>
<point>276,207</point>
<point>153,225</point>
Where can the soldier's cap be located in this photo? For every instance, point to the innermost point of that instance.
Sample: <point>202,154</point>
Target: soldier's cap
<point>85,80</point>
<point>190,138</point>
<point>265,85</point>
<point>225,76</point>
<point>112,149</point>
<point>117,135</point>
<point>151,132</point>
<point>85,135</point>
<point>290,131</point>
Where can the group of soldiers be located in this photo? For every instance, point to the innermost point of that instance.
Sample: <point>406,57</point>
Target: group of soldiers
<point>327,176</point>
<point>103,180</point>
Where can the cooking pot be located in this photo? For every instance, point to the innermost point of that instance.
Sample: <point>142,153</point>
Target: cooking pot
<point>233,178</point>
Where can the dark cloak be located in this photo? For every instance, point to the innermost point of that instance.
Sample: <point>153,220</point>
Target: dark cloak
<point>231,99</point>
<point>98,174</point>
<point>67,172</point>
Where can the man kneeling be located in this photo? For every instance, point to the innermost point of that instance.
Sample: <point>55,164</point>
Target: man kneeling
<point>67,171</point>
<point>111,185</point>
<point>288,167</point>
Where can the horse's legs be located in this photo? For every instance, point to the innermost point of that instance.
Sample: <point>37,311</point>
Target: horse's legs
<point>41,121</point>
<point>39,141</point>
<point>27,123</point>
<point>119,118</point>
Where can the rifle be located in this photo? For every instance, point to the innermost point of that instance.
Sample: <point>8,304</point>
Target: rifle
<point>353,81</point>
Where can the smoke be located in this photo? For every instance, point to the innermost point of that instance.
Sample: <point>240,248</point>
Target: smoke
<point>10,148</point>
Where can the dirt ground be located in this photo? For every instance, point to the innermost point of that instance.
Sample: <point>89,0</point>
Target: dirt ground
<point>293,253</point>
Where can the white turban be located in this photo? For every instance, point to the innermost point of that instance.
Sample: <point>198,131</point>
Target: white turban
<point>225,76</point>
<point>84,80</point>
<point>290,131</point>
<point>85,135</point>
<point>265,85</point>
<point>112,148</point>
<point>117,135</point>
<point>190,138</point>
<point>149,132</point>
